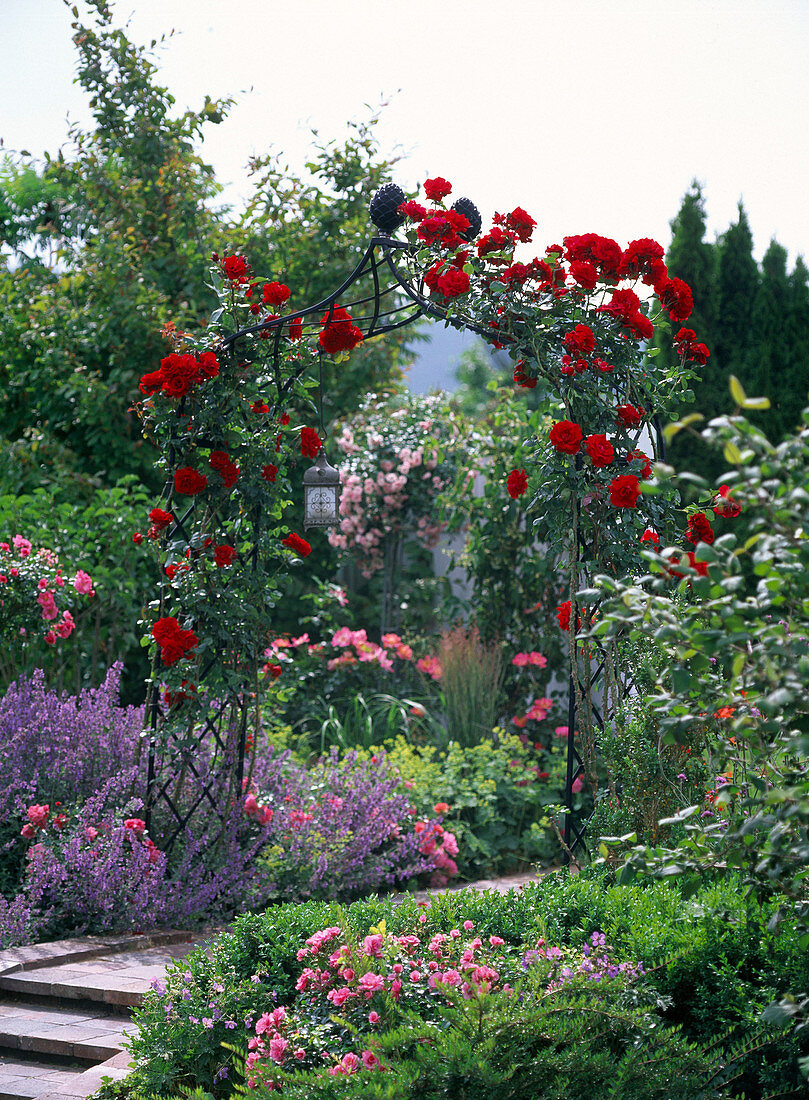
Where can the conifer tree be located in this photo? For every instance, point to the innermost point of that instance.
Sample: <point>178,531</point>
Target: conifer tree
<point>768,361</point>
<point>692,258</point>
<point>796,374</point>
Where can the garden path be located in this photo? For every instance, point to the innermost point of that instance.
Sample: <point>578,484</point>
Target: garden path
<point>64,1006</point>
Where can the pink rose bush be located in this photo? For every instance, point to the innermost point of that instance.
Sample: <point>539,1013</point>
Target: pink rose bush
<point>36,596</point>
<point>394,468</point>
<point>374,983</point>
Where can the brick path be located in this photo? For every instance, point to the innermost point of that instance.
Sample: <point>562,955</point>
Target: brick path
<point>64,1006</point>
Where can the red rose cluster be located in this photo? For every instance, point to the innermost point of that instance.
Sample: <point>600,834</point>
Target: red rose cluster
<point>160,521</point>
<point>437,189</point>
<point>699,529</point>
<point>340,333</point>
<point>688,348</point>
<point>175,643</point>
<point>724,504</point>
<point>227,470</point>
<point>178,373</point>
<point>296,543</point>
<point>447,279</point>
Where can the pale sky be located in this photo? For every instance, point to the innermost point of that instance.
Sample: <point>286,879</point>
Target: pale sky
<point>594,116</point>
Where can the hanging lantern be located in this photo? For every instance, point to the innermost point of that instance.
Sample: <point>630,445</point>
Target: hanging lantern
<point>321,494</point>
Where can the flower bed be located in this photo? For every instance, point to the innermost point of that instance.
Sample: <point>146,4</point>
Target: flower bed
<point>322,978</point>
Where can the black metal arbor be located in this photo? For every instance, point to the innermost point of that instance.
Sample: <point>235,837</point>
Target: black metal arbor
<point>381,298</point>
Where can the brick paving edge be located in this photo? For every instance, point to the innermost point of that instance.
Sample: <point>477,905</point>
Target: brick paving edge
<point>60,952</point>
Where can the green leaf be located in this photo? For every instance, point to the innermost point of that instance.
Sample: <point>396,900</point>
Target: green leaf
<point>737,390</point>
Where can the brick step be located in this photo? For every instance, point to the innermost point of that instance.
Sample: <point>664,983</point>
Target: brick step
<point>119,978</point>
<point>31,1080</point>
<point>81,1036</point>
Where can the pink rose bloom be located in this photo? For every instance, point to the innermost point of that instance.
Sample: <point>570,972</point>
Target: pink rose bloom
<point>395,988</point>
<point>278,1015</point>
<point>66,626</point>
<point>90,832</point>
<point>136,824</point>
<point>371,983</point>
<point>431,666</point>
<point>351,1063</point>
<point>50,638</point>
<point>48,605</point>
<point>300,1054</point>
<point>339,996</point>
<point>520,660</point>
<point>278,1046</point>
<point>405,652</point>
<point>265,816</point>
<point>373,1017</point>
<point>415,976</point>
<point>451,977</point>
<point>83,583</point>
<point>263,1024</point>
<point>577,785</point>
<point>28,831</point>
<point>372,945</point>
<point>369,1059</point>
<point>38,815</point>
<point>495,941</point>
<point>251,806</point>
<point>22,546</point>
<point>535,658</point>
<point>451,846</point>
<point>468,925</point>
<point>561,731</point>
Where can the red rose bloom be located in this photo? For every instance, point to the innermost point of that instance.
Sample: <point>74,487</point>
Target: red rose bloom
<point>600,450</point>
<point>724,505</point>
<point>563,615</point>
<point>436,189</point>
<point>580,341</point>
<point>628,416</point>
<point>224,555</point>
<point>296,329</point>
<point>521,223</point>
<point>675,297</point>
<point>137,538</point>
<point>296,543</point>
<point>699,529</point>
<point>174,642</point>
<point>275,294</point>
<point>585,274</point>
<point>650,536</point>
<point>624,491</point>
<point>413,210</point>
<point>643,258</point>
<point>340,334</point>
<point>234,267</point>
<point>310,443</point>
<point>160,518</point>
<point>496,240</point>
<point>566,437</point>
<point>522,379</point>
<point>269,472</point>
<point>189,481</point>
<point>516,483</point>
